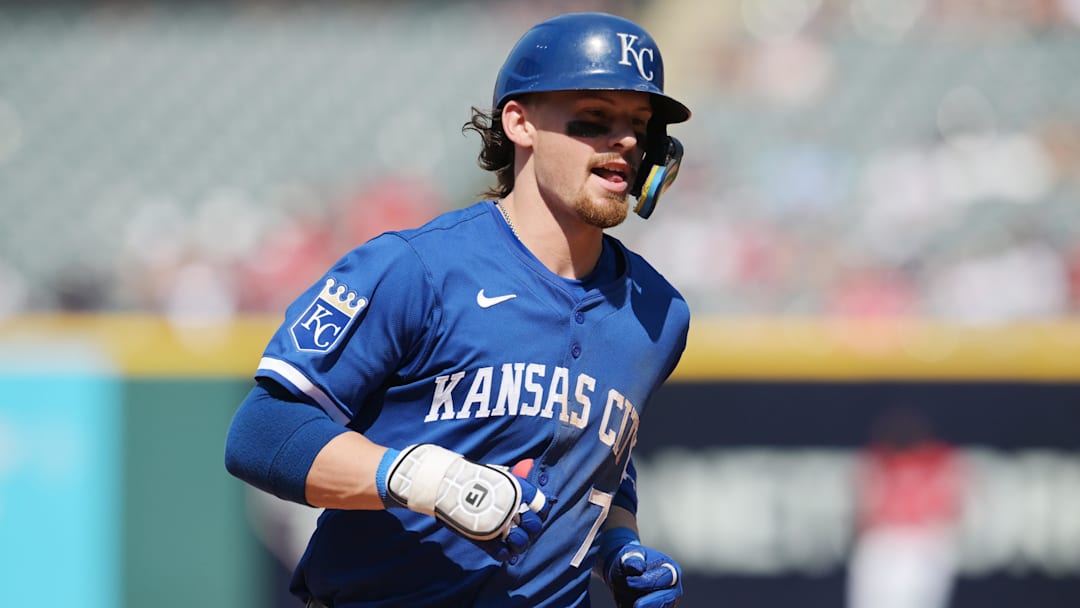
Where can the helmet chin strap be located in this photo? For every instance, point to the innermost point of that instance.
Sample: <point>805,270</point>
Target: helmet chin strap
<point>658,171</point>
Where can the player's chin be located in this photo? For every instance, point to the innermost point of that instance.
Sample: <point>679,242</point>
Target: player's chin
<point>604,210</point>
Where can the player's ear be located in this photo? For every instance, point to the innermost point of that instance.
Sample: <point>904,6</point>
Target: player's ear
<point>516,125</point>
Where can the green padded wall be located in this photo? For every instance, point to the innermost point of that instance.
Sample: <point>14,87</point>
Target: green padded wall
<point>186,540</point>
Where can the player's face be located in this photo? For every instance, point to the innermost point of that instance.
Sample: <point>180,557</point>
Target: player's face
<point>587,149</point>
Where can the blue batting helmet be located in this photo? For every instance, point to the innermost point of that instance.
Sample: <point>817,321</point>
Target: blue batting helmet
<point>588,51</point>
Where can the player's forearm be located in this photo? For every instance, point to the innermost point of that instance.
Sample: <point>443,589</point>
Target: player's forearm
<point>619,517</point>
<point>343,474</point>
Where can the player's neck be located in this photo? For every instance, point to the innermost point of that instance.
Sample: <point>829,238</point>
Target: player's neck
<point>563,243</point>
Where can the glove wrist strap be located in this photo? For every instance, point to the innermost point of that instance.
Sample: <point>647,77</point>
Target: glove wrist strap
<point>431,466</point>
<point>382,474</point>
<point>611,541</point>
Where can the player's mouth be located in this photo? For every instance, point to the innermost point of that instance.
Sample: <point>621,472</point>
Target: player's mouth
<point>614,176</point>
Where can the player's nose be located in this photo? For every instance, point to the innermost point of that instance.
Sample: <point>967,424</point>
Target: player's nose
<point>623,136</point>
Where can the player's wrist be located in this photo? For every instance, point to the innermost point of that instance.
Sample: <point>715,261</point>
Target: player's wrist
<point>382,474</point>
<point>611,543</point>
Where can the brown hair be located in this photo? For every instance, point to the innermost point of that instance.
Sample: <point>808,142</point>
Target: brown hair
<point>497,153</point>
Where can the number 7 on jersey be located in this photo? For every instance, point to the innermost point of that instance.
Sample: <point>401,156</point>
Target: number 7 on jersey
<point>603,501</point>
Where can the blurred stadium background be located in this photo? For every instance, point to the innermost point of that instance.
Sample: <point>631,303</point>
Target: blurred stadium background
<point>879,209</point>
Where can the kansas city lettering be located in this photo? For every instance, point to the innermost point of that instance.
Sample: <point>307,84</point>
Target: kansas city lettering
<point>528,389</point>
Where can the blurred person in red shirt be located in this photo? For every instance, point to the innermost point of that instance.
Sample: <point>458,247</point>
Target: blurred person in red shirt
<point>909,502</point>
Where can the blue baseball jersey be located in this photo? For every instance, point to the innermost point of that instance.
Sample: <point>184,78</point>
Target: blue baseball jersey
<point>454,334</point>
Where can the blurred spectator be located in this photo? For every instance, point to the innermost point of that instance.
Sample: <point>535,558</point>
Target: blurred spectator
<point>873,292</point>
<point>909,487</point>
<point>392,202</point>
<point>294,255</point>
<point>1024,281</point>
<point>14,292</point>
<point>290,259</point>
<point>1074,280</point>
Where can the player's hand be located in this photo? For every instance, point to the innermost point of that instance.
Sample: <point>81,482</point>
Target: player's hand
<point>527,524</point>
<point>488,504</point>
<point>643,577</point>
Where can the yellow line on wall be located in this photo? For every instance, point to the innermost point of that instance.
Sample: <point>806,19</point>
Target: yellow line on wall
<point>149,345</point>
<point>903,349</point>
<point>717,349</point>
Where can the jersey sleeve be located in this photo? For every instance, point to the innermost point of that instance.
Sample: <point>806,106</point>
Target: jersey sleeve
<point>350,332</point>
<point>273,440</point>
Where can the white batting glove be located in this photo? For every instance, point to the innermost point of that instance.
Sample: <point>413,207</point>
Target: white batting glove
<point>481,502</point>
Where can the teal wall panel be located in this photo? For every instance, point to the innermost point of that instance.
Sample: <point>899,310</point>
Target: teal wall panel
<point>60,480</point>
<point>187,538</point>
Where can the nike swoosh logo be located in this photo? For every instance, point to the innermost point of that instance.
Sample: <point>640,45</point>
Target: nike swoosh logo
<point>486,302</point>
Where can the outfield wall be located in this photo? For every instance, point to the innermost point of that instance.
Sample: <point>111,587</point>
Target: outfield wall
<point>112,431</point>
<point>113,491</point>
<point>752,485</point>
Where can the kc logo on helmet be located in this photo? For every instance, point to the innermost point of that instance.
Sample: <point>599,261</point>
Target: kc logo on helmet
<point>637,54</point>
<point>324,322</point>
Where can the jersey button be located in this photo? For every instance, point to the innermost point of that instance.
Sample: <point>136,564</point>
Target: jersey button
<point>575,350</point>
<point>579,317</point>
<point>542,479</point>
<point>513,559</point>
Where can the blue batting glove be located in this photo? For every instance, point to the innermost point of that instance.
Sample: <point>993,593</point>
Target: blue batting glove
<point>642,577</point>
<point>527,525</point>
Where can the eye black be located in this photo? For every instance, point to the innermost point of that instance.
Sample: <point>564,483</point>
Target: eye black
<point>585,128</point>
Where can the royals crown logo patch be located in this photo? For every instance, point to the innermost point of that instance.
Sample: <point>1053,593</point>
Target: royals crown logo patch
<point>323,324</point>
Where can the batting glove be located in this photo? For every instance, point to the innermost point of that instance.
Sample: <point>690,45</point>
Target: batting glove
<point>639,576</point>
<point>485,503</point>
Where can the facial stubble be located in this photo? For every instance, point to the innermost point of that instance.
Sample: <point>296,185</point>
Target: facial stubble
<point>608,211</point>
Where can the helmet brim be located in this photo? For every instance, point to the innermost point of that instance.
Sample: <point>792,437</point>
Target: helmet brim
<point>669,110</point>
<point>666,109</point>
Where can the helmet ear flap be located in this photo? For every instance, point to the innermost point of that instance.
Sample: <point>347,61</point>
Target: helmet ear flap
<point>658,170</point>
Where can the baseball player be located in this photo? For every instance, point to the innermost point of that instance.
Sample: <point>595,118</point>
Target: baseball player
<point>463,398</point>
